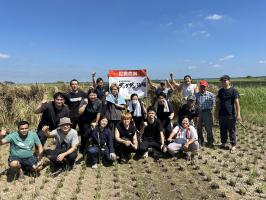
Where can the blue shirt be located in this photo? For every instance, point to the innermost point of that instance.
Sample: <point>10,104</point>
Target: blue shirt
<point>205,101</point>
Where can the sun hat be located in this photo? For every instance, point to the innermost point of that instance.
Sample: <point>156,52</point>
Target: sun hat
<point>64,120</point>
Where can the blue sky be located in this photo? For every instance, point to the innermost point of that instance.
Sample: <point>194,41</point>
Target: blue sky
<point>51,40</point>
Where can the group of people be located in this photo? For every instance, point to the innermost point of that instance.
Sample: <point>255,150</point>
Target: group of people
<point>112,128</point>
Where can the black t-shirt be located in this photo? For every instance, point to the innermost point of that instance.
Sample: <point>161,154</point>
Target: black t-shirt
<point>164,115</point>
<point>227,99</point>
<point>100,91</point>
<point>185,111</point>
<point>152,131</point>
<point>91,111</point>
<point>126,133</point>
<point>73,100</point>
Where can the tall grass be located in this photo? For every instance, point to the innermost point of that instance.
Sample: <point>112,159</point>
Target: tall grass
<point>253,102</point>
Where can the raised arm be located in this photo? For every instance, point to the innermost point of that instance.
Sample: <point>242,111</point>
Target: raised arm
<point>177,86</point>
<point>153,86</point>
<point>2,134</point>
<point>93,80</point>
<point>47,132</point>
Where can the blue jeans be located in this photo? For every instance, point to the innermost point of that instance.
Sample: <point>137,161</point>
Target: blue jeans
<point>94,153</point>
<point>227,124</point>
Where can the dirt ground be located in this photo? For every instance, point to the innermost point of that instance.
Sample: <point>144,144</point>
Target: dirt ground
<point>217,174</point>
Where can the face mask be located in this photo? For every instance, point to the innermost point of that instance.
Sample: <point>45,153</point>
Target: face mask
<point>134,102</point>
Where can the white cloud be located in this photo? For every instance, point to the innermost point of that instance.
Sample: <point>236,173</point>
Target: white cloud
<point>262,62</point>
<point>201,33</point>
<point>227,57</point>
<point>216,65</point>
<point>4,56</point>
<point>192,67</point>
<point>214,17</point>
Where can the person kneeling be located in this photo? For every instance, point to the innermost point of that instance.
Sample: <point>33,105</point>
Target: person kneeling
<point>21,144</point>
<point>125,138</point>
<point>186,139</point>
<point>66,145</point>
<point>102,144</point>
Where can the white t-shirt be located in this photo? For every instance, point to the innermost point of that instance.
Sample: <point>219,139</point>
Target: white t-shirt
<point>187,90</point>
<point>182,134</point>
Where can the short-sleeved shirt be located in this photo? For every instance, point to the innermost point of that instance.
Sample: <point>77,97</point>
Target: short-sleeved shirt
<point>205,101</point>
<point>71,138</point>
<point>164,115</point>
<point>190,113</point>
<point>183,133</point>
<point>22,147</point>
<point>227,99</point>
<point>73,100</point>
<point>126,133</point>
<point>188,90</point>
<point>91,111</point>
<point>152,131</point>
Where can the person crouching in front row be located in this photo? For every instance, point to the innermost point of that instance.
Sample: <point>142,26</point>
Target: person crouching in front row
<point>102,144</point>
<point>65,153</point>
<point>126,141</point>
<point>186,139</point>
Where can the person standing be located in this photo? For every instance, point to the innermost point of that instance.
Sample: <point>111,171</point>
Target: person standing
<point>205,101</point>
<point>90,112</point>
<point>73,99</point>
<point>187,89</point>
<point>228,112</point>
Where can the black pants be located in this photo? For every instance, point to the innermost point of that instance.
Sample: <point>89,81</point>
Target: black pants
<point>123,151</point>
<point>85,134</point>
<point>42,137</point>
<point>69,159</point>
<point>145,144</point>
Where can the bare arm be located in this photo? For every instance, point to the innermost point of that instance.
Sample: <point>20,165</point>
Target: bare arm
<point>93,80</point>
<point>82,105</point>
<point>135,142</point>
<point>40,151</point>
<point>171,136</point>
<point>46,131</point>
<point>237,106</point>
<point>170,85</point>
<point>153,86</point>
<point>176,85</point>
<point>2,134</point>
<point>40,107</point>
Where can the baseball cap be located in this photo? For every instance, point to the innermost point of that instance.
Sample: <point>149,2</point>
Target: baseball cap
<point>225,77</point>
<point>204,83</point>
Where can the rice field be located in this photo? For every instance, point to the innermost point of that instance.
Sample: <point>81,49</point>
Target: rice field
<point>216,175</point>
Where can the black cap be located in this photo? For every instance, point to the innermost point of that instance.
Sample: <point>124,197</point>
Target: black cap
<point>225,77</point>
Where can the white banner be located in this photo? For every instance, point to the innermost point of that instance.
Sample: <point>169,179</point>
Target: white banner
<point>130,81</point>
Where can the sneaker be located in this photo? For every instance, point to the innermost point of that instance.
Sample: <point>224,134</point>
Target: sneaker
<point>146,154</point>
<point>122,161</point>
<point>233,149</point>
<point>95,166</point>
<point>57,172</point>
<point>21,177</point>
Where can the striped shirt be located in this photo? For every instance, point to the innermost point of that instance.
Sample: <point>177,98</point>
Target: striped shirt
<point>205,101</point>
